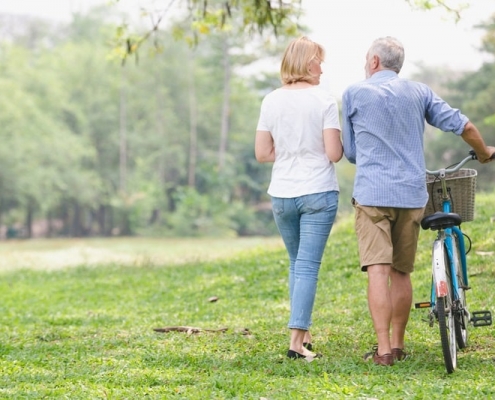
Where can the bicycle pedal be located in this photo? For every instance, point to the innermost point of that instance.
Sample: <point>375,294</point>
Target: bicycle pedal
<point>481,318</point>
<point>424,304</point>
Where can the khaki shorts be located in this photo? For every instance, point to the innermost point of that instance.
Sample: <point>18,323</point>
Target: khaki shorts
<point>387,235</point>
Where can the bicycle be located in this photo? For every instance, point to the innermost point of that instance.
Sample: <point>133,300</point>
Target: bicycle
<point>451,202</point>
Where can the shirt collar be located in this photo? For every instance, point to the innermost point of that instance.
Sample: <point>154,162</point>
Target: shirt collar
<point>384,74</point>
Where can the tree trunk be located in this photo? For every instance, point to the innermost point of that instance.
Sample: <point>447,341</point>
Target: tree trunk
<point>1,219</point>
<point>224,129</point>
<point>161,131</point>
<point>50,228</point>
<point>123,134</point>
<point>193,127</point>
<point>65,215</point>
<point>76,229</point>
<point>126,225</point>
<point>29,221</point>
<point>100,218</point>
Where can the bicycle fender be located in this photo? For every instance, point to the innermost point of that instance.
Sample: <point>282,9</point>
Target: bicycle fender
<point>438,268</point>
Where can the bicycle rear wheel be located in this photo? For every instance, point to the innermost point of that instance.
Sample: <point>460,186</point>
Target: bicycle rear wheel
<point>461,315</point>
<point>447,334</point>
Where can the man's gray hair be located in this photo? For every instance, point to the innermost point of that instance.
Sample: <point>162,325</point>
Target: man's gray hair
<point>390,52</point>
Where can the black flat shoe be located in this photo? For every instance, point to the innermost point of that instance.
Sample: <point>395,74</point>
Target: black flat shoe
<point>294,354</point>
<point>309,346</point>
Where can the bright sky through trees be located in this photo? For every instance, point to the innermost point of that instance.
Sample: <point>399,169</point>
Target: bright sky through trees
<point>346,29</point>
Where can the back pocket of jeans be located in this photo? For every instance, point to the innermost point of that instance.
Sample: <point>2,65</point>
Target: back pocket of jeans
<point>277,206</point>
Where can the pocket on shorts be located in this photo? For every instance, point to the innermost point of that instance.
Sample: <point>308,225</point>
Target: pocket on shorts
<point>374,214</point>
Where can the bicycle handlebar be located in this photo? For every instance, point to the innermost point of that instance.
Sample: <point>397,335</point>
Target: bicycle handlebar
<point>441,172</point>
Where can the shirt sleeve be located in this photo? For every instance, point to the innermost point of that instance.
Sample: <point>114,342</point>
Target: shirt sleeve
<point>263,124</point>
<point>331,116</point>
<point>348,137</point>
<point>442,116</point>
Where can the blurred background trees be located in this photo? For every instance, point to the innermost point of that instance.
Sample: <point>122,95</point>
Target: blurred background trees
<point>164,144</point>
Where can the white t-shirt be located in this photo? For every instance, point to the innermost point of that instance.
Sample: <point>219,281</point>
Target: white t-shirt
<point>296,119</point>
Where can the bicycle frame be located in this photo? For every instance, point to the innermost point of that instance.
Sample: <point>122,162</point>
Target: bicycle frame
<point>447,236</point>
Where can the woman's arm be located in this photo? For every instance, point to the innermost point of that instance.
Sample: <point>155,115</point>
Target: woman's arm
<point>333,144</point>
<point>264,148</point>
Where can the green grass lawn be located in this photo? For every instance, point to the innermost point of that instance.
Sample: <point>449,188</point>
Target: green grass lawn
<point>87,331</point>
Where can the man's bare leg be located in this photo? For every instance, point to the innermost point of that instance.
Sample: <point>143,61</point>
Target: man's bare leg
<point>401,297</point>
<point>380,304</point>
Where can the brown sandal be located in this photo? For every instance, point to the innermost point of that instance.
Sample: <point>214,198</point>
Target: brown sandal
<point>399,354</point>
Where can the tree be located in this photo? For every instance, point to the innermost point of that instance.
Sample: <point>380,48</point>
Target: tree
<point>200,18</point>
<point>203,17</point>
<point>35,178</point>
<point>474,94</point>
<point>452,7</point>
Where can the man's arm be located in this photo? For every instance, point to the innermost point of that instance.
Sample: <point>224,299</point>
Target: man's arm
<point>348,138</point>
<point>472,136</point>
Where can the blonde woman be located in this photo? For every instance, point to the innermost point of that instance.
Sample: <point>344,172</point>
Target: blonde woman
<point>299,131</point>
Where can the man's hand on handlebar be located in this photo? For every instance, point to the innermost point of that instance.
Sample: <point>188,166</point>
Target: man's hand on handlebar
<point>486,157</point>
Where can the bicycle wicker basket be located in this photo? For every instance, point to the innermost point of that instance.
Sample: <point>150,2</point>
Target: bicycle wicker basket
<point>462,189</point>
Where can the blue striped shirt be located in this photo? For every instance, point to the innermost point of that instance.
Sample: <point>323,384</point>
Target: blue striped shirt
<point>383,121</point>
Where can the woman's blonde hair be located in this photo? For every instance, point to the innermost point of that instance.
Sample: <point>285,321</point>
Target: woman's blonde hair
<point>297,56</point>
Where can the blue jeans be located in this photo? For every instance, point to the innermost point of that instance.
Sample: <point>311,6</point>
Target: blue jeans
<point>304,223</point>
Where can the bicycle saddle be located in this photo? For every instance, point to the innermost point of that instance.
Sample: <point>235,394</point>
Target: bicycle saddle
<point>440,220</point>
